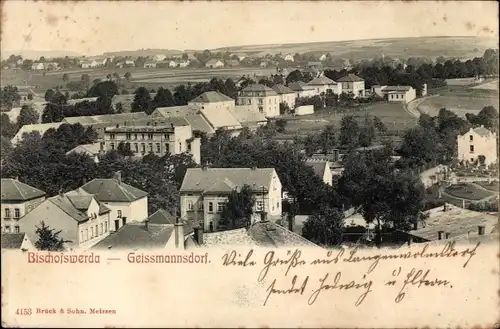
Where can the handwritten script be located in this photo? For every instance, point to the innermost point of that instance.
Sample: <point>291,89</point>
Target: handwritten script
<point>329,273</point>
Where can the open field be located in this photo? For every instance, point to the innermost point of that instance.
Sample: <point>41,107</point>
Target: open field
<point>394,117</point>
<point>467,191</point>
<point>458,47</point>
<point>490,85</point>
<point>150,78</point>
<point>459,99</point>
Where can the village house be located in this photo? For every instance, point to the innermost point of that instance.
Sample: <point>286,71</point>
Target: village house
<point>191,114</point>
<point>351,83</point>
<point>173,136</point>
<point>212,100</point>
<point>260,98</point>
<point>92,150</point>
<point>129,63</point>
<point>301,89</point>
<point>81,218</point>
<point>179,63</point>
<point>17,200</point>
<point>286,95</point>
<point>41,128</point>
<point>322,84</point>
<point>150,64</point>
<point>248,117</point>
<point>204,193</point>
<point>17,241</point>
<point>475,143</point>
<point>232,63</point>
<point>404,94</point>
<point>37,66</point>
<point>263,65</point>
<point>323,57</point>
<point>159,58</point>
<point>126,202</point>
<point>89,64</point>
<point>322,170</point>
<point>214,63</point>
<point>289,57</point>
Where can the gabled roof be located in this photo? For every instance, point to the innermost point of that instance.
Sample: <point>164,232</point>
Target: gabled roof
<point>396,88</point>
<point>297,86</point>
<point>199,123</point>
<point>247,116</point>
<point>14,190</point>
<point>161,216</point>
<point>40,127</point>
<point>12,240</point>
<point>319,167</point>
<point>220,118</point>
<point>111,190</point>
<point>481,131</point>
<point>228,238</point>
<point>322,80</point>
<point>135,235</point>
<point>224,186</point>
<point>256,87</point>
<point>200,179</point>
<point>90,149</point>
<point>211,97</point>
<point>175,111</point>
<point>270,234</point>
<point>350,78</point>
<point>281,89</point>
<point>213,61</point>
<point>64,203</point>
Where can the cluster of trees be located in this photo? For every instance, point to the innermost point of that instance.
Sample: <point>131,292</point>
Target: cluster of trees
<point>42,162</point>
<point>434,139</point>
<point>9,96</point>
<point>8,129</point>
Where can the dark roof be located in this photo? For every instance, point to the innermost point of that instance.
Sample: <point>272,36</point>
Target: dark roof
<point>321,81</point>
<point>396,88</point>
<point>64,203</point>
<point>12,240</point>
<point>212,97</point>
<point>260,88</point>
<point>136,235</point>
<point>14,190</point>
<point>350,78</point>
<point>481,131</point>
<point>110,190</point>
<point>273,235</point>
<point>161,216</point>
<point>281,89</point>
<point>319,167</point>
<point>227,179</point>
<point>297,86</point>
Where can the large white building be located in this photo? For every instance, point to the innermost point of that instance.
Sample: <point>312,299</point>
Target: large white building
<point>204,193</point>
<point>475,143</point>
<point>351,83</point>
<point>286,95</point>
<point>403,94</point>
<point>260,98</point>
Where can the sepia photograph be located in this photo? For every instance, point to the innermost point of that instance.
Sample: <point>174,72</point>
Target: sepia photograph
<point>249,163</point>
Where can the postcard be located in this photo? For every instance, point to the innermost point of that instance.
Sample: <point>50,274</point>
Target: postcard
<point>254,164</point>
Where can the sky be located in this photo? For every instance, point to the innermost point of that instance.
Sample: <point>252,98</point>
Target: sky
<point>91,28</point>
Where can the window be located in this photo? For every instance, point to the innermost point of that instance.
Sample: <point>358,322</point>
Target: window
<point>136,147</point>
<point>96,231</point>
<point>111,136</point>
<point>119,213</point>
<point>277,205</point>
<point>150,136</point>
<point>210,207</point>
<point>7,228</point>
<point>112,146</point>
<point>189,147</point>
<point>471,147</point>
<point>143,148</point>
<point>158,147</point>
<point>105,226</point>
<point>7,213</point>
<point>190,205</point>
<point>91,232</point>
<point>167,148</point>
<point>259,205</point>
<point>180,147</point>
<point>166,136</point>
<point>150,147</point>
<point>200,206</point>
<point>142,135</point>
<point>128,136</point>
<point>220,206</point>
<point>17,213</point>
<point>102,231</point>
<point>16,229</point>
<point>135,136</point>
<point>471,138</point>
<point>82,236</point>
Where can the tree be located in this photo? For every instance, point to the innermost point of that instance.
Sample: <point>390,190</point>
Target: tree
<point>9,96</point>
<point>324,227</point>
<point>7,128</point>
<point>27,116</point>
<point>48,95</point>
<point>280,125</point>
<point>6,148</point>
<point>65,77</point>
<point>124,149</point>
<point>163,98</point>
<point>127,76</point>
<point>349,131</point>
<point>48,239</point>
<point>116,76</point>
<point>30,96</point>
<point>326,139</point>
<point>119,107</point>
<point>239,208</point>
<point>366,133</point>
<point>142,101</point>
<point>379,125</point>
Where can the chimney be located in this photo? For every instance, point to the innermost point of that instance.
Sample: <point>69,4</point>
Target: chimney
<point>118,177</point>
<point>415,225</point>
<point>179,234</point>
<point>447,235</point>
<point>146,224</point>
<point>198,235</point>
<point>445,207</point>
<point>440,235</point>
<point>480,230</point>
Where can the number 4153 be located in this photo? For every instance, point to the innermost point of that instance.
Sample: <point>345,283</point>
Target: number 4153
<point>23,311</point>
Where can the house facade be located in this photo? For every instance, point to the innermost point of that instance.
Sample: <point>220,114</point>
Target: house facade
<point>286,95</point>
<point>351,83</point>
<point>204,193</point>
<point>37,66</point>
<point>322,84</point>
<point>477,142</point>
<point>89,64</point>
<point>402,94</point>
<point>289,57</point>
<point>17,200</point>
<point>214,63</point>
<point>82,220</point>
<point>158,139</point>
<point>126,203</point>
<point>150,64</point>
<point>322,170</point>
<point>260,98</point>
